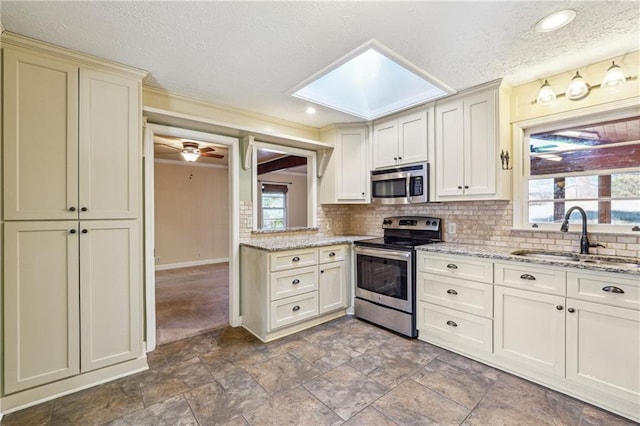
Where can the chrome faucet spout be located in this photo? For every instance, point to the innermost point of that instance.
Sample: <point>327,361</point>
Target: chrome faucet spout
<point>584,241</point>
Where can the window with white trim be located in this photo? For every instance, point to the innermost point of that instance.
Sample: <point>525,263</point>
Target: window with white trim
<point>274,206</point>
<point>595,166</point>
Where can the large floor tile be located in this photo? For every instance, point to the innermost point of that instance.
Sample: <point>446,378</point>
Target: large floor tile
<point>592,416</point>
<point>227,399</point>
<point>38,415</point>
<point>172,412</point>
<point>282,373</point>
<point>384,365</point>
<point>469,365</point>
<point>325,356</point>
<point>172,380</point>
<point>410,403</point>
<point>345,390</point>
<point>370,417</point>
<point>294,407</point>
<point>185,349</point>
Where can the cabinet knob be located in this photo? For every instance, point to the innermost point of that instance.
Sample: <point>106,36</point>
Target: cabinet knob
<point>466,187</point>
<point>452,291</point>
<point>571,310</point>
<point>452,266</point>
<point>559,307</point>
<point>332,254</point>
<point>295,308</point>
<point>322,272</point>
<point>395,158</point>
<point>295,282</point>
<point>84,231</point>
<point>399,158</point>
<point>527,277</point>
<point>459,187</point>
<point>295,259</point>
<point>613,289</point>
<point>84,209</point>
<point>72,209</point>
<point>452,323</point>
<point>72,231</point>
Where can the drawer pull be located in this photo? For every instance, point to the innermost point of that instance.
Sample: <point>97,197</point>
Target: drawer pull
<point>527,277</point>
<point>452,323</point>
<point>296,281</point>
<point>571,310</point>
<point>613,289</point>
<point>295,259</point>
<point>332,254</point>
<point>72,231</point>
<point>452,291</point>
<point>452,266</point>
<point>72,209</point>
<point>559,307</point>
<point>295,308</point>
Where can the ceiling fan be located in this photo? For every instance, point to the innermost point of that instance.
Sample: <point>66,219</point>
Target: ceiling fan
<point>191,151</point>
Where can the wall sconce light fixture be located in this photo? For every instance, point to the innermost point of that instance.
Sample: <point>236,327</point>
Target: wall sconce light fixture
<point>579,89</point>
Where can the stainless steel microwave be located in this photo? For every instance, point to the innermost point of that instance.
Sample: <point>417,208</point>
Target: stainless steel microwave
<point>407,184</point>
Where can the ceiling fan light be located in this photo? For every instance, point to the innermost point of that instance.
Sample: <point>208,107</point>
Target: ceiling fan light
<point>189,155</point>
<point>546,94</point>
<point>614,76</point>
<point>578,89</point>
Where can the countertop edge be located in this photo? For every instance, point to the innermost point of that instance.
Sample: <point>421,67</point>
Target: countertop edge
<point>294,244</point>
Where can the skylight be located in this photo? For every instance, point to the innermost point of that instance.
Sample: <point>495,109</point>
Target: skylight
<point>371,82</point>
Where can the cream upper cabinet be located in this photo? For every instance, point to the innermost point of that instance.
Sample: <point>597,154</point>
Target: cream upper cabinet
<point>471,130</point>
<point>401,139</point>
<point>346,177</point>
<point>41,292</point>
<point>40,136</point>
<point>71,138</point>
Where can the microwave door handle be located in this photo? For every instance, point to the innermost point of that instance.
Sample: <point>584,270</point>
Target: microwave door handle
<point>408,188</point>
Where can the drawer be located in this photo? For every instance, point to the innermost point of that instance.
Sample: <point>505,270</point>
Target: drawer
<point>282,260</point>
<point>535,278</point>
<point>460,329</point>
<point>456,266</point>
<point>333,253</point>
<point>293,309</point>
<point>293,281</point>
<point>467,296</point>
<point>611,289</point>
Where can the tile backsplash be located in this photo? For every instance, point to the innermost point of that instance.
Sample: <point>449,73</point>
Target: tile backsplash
<point>477,222</point>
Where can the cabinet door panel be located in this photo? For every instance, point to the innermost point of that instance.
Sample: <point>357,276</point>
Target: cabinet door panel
<point>480,143</point>
<point>109,146</point>
<point>40,303</point>
<point>385,144</point>
<point>40,137</point>
<point>449,149</point>
<point>333,287</point>
<point>529,330</point>
<point>412,132</point>
<point>353,165</point>
<point>111,293</point>
<point>600,340</point>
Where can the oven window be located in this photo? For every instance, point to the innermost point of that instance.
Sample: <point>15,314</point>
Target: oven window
<point>389,188</point>
<point>383,276</point>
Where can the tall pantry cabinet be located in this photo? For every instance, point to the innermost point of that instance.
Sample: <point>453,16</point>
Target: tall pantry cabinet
<point>71,187</point>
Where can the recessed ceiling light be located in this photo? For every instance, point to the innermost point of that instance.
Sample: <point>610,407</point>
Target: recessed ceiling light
<point>555,21</point>
<point>311,110</point>
<point>370,82</point>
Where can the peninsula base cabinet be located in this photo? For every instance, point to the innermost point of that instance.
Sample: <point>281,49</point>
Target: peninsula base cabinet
<point>572,330</point>
<point>283,292</point>
<point>73,299</point>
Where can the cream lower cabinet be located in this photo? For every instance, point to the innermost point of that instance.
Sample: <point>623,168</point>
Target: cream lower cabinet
<point>455,303</point>
<point>287,291</point>
<point>72,299</point>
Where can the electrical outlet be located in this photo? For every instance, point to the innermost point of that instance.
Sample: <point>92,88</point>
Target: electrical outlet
<point>451,228</point>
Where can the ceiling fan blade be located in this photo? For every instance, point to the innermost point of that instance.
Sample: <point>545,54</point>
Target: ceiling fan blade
<point>169,146</point>
<point>210,155</point>
<point>206,149</point>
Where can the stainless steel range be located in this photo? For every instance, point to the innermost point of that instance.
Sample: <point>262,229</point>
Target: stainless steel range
<point>386,272</point>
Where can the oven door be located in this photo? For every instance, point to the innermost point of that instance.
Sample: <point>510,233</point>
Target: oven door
<point>384,276</point>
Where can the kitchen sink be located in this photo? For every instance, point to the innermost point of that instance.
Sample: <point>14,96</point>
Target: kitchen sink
<point>615,261</point>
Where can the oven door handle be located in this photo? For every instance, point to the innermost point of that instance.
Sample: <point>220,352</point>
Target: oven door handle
<point>389,254</point>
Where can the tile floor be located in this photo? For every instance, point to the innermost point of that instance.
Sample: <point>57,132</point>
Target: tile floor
<point>343,372</point>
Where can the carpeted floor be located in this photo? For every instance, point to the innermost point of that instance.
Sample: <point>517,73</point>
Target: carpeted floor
<point>190,301</point>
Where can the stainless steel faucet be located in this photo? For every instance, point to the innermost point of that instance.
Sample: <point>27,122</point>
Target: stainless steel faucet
<point>584,241</point>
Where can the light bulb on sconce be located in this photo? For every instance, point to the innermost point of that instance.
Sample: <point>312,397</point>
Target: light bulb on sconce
<point>578,88</point>
<point>546,94</point>
<point>614,76</point>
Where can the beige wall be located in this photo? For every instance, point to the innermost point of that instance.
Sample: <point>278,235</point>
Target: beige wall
<point>191,213</point>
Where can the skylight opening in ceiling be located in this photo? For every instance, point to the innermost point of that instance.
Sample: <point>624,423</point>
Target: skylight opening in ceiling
<point>371,82</point>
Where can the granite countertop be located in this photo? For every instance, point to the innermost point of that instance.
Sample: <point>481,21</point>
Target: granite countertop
<point>504,253</point>
<point>292,243</point>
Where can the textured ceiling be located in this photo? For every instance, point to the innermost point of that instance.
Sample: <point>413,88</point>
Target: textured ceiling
<point>249,54</point>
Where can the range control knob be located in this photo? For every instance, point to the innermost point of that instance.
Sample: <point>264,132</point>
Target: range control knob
<point>386,222</point>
